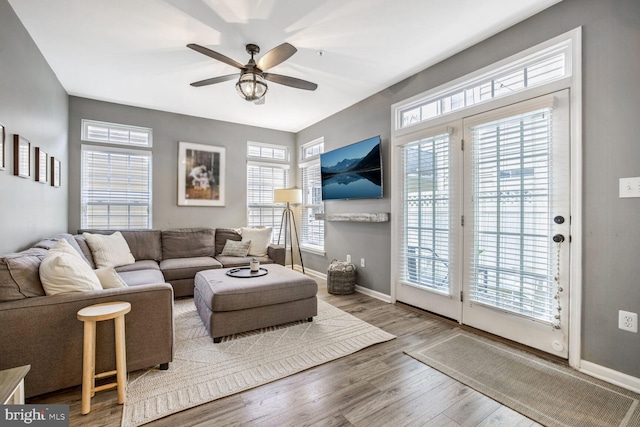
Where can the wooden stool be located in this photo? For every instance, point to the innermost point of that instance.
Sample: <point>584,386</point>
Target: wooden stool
<point>90,315</point>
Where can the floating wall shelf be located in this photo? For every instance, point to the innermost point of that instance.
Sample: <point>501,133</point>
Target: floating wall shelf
<point>355,217</point>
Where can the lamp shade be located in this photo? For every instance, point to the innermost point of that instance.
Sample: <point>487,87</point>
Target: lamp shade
<point>288,195</point>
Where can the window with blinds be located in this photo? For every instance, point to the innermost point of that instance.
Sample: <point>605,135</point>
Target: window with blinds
<point>543,66</point>
<point>512,219</point>
<point>311,229</point>
<point>426,197</point>
<point>116,188</point>
<point>113,133</point>
<point>267,170</point>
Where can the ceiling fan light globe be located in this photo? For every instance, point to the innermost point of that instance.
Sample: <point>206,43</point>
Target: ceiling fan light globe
<point>251,86</point>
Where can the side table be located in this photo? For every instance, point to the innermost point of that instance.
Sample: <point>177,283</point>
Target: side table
<point>12,385</point>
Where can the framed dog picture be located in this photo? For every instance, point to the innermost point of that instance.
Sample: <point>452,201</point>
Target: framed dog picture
<point>201,175</point>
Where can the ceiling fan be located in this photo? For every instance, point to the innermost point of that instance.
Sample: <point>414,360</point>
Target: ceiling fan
<point>251,85</point>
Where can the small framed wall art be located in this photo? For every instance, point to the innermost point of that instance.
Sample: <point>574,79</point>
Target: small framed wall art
<point>201,175</point>
<point>55,172</point>
<point>21,157</point>
<point>42,166</point>
<point>2,135</point>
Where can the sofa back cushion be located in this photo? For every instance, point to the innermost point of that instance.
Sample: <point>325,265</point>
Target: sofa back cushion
<point>50,242</point>
<point>224,234</point>
<point>144,244</point>
<point>188,243</point>
<point>19,275</point>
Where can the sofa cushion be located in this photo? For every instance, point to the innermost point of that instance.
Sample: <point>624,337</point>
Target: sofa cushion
<point>186,268</point>
<point>235,261</point>
<point>19,275</point>
<point>259,238</point>
<point>142,277</point>
<point>234,248</point>
<point>144,244</point>
<point>84,248</point>
<point>188,243</point>
<point>224,234</point>
<point>48,243</point>
<point>146,264</point>
<point>109,250</point>
<point>63,270</point>
<point>109,279</point>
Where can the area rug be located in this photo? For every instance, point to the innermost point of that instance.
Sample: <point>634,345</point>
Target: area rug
<point>548,393</point>
<point>202,371</point>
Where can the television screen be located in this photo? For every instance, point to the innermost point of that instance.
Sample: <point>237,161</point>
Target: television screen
<point>352,172</point>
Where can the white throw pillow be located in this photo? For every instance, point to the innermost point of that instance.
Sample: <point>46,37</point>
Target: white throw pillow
<point>109,250</point>
<point>63,270</point>
<point>109,278</point>
<point>260,239</point>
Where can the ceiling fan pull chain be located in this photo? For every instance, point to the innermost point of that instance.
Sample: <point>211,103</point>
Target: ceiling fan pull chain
<point>556,324</point>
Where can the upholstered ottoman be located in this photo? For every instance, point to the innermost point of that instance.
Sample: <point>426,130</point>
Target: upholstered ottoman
<point>229,305</point>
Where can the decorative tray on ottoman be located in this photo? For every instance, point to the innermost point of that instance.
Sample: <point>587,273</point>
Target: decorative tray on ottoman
<point>245,272</point>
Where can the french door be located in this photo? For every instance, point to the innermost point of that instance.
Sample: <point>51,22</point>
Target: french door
<point>485,230</point>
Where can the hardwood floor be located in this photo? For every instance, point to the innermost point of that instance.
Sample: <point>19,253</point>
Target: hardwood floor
<point>378,386</point>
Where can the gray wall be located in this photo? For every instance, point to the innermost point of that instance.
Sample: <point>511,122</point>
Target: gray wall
<point>33,104</point>
<point>168,130</point>
<point>611,106</point>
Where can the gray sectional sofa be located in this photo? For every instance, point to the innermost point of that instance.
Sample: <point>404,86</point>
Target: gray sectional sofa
<point>43,331</point>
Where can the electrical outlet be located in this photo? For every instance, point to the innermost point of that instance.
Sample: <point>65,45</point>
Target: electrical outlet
<point>362,262</point>
<point>348,258</point>
<point>628,321</point>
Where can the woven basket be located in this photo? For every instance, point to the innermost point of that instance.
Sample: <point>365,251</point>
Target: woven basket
<point>341,278</point>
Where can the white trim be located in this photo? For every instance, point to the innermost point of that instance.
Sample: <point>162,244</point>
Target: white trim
<point>312,250</point>
<point>286,149</point>
<point>302,158</point>
<point>609,375</point>
<point>374,294</point>
<point>311,272</point>
<point>575,272</point>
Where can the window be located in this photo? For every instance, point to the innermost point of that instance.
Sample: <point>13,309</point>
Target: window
<point>311,229</point>
<point>265,174</point>
<point>540,67</point>
<point>115,188</point>
<point>113,133</point>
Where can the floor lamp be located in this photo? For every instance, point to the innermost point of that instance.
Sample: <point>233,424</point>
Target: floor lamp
<point>288,196</point>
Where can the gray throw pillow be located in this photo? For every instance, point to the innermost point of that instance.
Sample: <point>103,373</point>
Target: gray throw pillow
<point>235,248</point>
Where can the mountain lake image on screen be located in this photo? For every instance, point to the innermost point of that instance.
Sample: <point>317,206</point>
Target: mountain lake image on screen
<point>352,172</point>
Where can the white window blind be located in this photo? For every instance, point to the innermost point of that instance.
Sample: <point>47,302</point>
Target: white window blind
<point>311,229</point>
<point>116,188</point>
<point>425,250</point>
<point>262,179</point>
<point>114,133</point>
<point>512,181</point>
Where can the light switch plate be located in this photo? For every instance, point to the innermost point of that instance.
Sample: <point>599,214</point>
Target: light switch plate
<point>629,187</point>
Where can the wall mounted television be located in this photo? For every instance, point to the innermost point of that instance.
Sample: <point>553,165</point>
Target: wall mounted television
<point>352,172</point>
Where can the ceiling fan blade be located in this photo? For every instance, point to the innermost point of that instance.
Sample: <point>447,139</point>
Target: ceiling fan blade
<point>215,80</point>
<point>215,55</point>
<point>290,81</point>
<point>276,56</point>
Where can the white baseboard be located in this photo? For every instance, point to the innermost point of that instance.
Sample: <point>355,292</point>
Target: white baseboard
<point>610,376</point>
<point>364,291</point>
<point>374,294</point>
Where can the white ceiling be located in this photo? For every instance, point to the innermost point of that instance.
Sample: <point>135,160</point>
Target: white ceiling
<point>134,51</point>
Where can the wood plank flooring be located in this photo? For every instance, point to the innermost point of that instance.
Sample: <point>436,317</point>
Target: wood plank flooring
<point>378,386</point>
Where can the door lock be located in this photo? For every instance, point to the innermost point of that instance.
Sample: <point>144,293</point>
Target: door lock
<point>558,238</point>
<point>559,219</point>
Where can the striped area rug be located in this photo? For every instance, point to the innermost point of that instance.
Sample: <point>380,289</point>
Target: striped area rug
<point>202,371</point>
<point>548,393</point>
